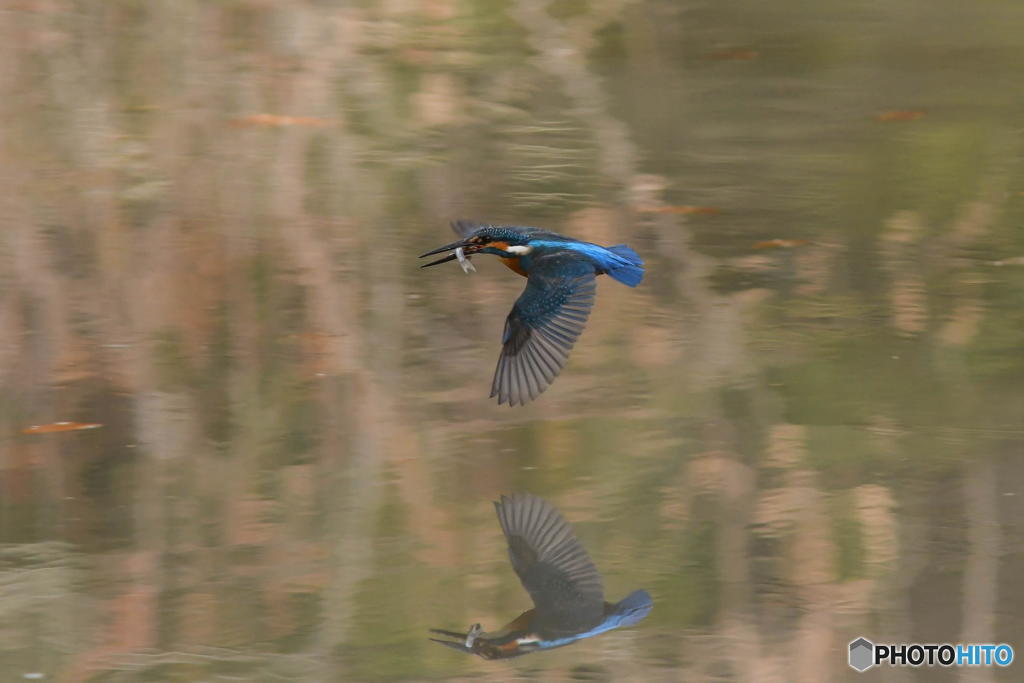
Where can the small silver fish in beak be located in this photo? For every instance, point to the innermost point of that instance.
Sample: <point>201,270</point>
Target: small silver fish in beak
<point>467,267</point>
<point>474,631</point>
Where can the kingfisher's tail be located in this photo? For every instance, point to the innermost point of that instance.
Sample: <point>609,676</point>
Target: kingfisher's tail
<point>631,609</point>
<point>628,268</point>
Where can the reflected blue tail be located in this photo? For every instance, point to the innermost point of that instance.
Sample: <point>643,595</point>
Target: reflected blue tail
<point>633,608</point>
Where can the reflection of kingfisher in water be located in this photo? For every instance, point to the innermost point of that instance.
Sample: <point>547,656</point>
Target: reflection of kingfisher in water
<point>568,598</point>
<point>551,312</point>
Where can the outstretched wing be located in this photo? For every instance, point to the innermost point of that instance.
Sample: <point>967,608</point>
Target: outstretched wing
<point>542,327</point>
<point>552,564</point>
<point>465,228</point>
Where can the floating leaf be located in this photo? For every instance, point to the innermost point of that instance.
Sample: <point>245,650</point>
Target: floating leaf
<point>684,209</point>
<point>901,115</point>
<point>780,244</point>
<point>54,427</point>
<point>737,55</point>
<point>278,121</point>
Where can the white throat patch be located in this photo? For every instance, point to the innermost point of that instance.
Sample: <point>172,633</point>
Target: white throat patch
<point>520,249</point>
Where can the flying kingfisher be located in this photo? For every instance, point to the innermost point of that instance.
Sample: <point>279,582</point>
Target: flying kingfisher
<point>549,315</point>
<point>554,568</point>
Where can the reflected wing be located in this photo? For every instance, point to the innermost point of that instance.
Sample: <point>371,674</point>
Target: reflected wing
<point>551,563</point>
<point>542,327</point>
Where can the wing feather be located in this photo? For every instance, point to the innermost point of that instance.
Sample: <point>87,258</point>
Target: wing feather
<point>551,563</point>
<point>543,326</point>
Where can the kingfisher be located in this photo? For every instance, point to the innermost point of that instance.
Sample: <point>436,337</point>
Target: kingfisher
<point>550,314</point>
<point>567,592</point>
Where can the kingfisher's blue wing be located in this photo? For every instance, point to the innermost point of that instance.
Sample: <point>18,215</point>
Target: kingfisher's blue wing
<point>552,564</point>
<point>542,327</point>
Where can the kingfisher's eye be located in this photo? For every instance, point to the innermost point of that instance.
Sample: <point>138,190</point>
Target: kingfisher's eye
<point>482,239</point>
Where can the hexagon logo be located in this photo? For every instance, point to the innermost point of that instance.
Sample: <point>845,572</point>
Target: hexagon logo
<point>862,653</point>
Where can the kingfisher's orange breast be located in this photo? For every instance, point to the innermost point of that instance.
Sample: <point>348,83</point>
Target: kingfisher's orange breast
<point>513,264</point>
<point>511,261</point>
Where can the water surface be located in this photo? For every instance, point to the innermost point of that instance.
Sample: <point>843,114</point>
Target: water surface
<point>805,425</point>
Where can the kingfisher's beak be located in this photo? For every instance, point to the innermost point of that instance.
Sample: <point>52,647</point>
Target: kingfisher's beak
<point>460,642</point>
<point>470,248</point>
